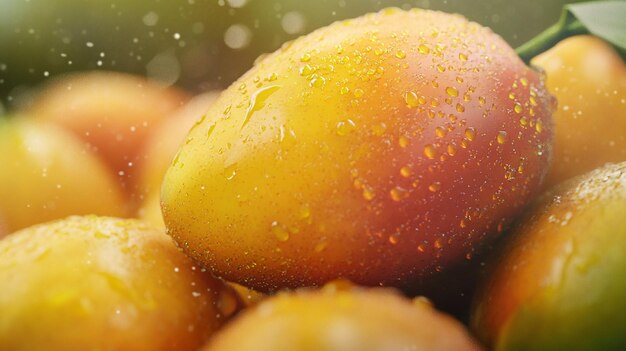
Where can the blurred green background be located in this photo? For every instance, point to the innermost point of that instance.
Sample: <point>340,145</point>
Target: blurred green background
<point>197,44</point>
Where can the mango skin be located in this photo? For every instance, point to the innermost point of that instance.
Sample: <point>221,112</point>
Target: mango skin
<point>47,174</point>
<point>556,283</point>
<point>113,113</point>
<point>342,320</point>
<point>588,78</point>
<point>383,150</point>
<point>87,283</point>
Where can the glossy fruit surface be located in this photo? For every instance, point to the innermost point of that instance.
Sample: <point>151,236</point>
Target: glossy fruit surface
<point>382,150</point>
<point>588,78</point>
<point>46,173</point>
<point>87,283</point>
<point>112,112</point>
<point>342,320</point>
<point>557,283</point>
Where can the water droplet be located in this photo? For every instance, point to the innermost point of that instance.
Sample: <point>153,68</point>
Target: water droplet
<point>470,134</point>
<point>405,171</point>
<point>379,129</point>
<point>524,81</point>
<point>482,100</point>
<point>423,49</point>
<point>306,70</point>
<point>523,121</point>
<point>230,171</point>
<point>438,244</point>
<point>440,132</point>
<point>344,90</point>
<point>460,108</point>
<point>287,137</point>
<point>398,194</point>
<point>258,101</point>
<point>434,187</point>
<point>411,99</point>
<point>403,141</point>
<point>429,151</point>
<point>317,82</point>
<point>452,91</point>
<point>345,127</point>
<point>305,57</point>
<point>532,101</point>
<point>421,248</point>
<point>501,137</point>
<point>441,68</point>
<point>368,193</point>
<point>462,57</point>
<point>451,150</point>
<point>393,239</point>
<point>321,246</point>
<point>518,108</point>
<point>539,126</point>
<point>280,231</point>
<point>358,92</point>
<point>400,54</point>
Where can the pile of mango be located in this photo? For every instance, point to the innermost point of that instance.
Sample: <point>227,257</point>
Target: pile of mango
<point>398,181</point>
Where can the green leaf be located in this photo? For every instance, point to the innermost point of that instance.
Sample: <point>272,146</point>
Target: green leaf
<point>604,19</point>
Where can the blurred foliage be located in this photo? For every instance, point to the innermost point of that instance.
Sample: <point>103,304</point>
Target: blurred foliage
<point>183,42</point>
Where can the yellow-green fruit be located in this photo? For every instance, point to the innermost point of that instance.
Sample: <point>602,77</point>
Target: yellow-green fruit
<point>46,173</point>
<point>384,150</point>
<point>588,78</point>
<point>98,283</point>
<point>343,320</point>
<point>557,283</point>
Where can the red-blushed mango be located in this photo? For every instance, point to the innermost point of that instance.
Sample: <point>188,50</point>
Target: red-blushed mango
<point>342,320</point>
<point>384,150</point>
<point>46,173</point>
<point>557,282</point>
<point>113,112</point>
<point>588,77</point>
<point>88,283</point>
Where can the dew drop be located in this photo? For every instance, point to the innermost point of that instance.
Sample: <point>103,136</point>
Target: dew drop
<point>501,137</point>
<point>434,187</point>
<point>452,91</point>
<point>411,99</point>
<point>451,150</point>
<point>345,127</point>
<point>405,171</point>
<point>440,132</point>
<point>398,194</point>
<point>280,231</point>
<point>429,151</point>
<point>368,193</point>
<point>470,134</point>
<point>403,141</point>
<point>305,57</point>
<point>523,121</point>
